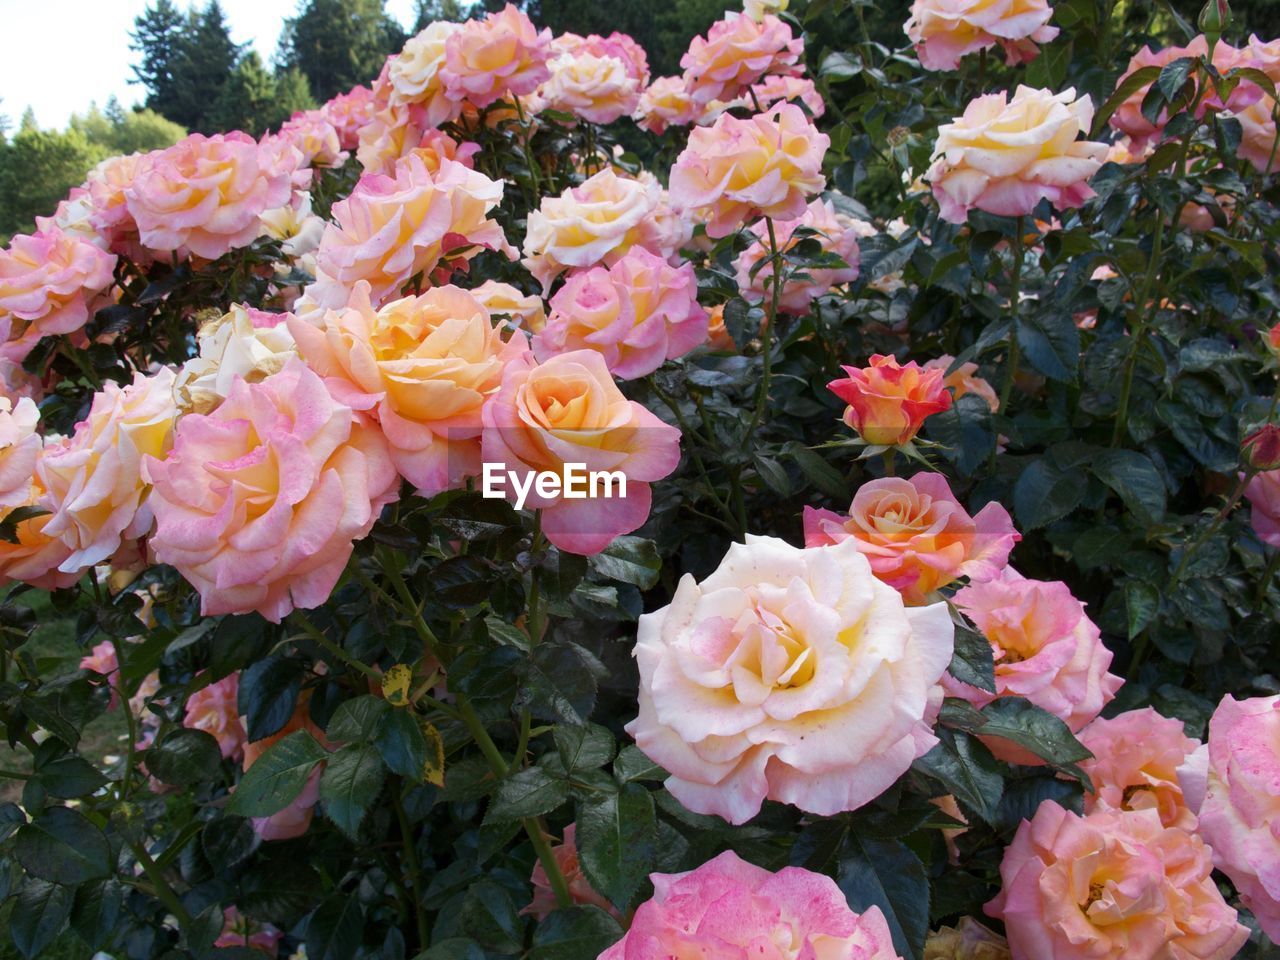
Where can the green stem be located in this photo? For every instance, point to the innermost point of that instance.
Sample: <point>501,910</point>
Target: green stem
<point>1015,304</point>
<point>163,891</point>
<point>766,336</point>
<point>1267,575</point>
<point>1213,526</point>
<point>411,863</point>
<point>316,634</point>
<point>14,774</point>
<point>889,456</point>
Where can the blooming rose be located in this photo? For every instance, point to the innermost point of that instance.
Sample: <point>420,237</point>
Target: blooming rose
<point>107,207</point>
<point>1006,155</point>
<point>968,940</point>
<point>568,410</point>
<point>243,344</point>
<point>1109,886</point>
<point>203,195</point>
<point>295,819</point>
<point>93,480</point>
<point>1258,142</point>
<point>423,367</point>
<point>36,556</point>
<point>402,130</point>
<point>917,535</point>
<point>765,165</point>
<point>523,310</point>
<point>1136,756</point>
<point>313,136</point>
<point>599,89</point>
<point>635,314</point>
<point>835,235</point>
<point>20,448</point>
<point>889,403</point>
<point>788,674</point>
<point>1237,795</point>
<point>240,931</point>
<point>566,855</point>
<point>964,380</point>
<point>1045,649</point>
<point>502,55</point>
<point>1263,492</point>
<point>943,31</point>
<point>758,9</point>
<point>775,88</point>
<point>259,502</point>
<point>213,709</point>
<point>348,112</point>
<point>666,102</point>
<point>393,227</point>
<point>49,281</point>
<point>736,52</point>
<point>618,45</point>
<point>413,75</point>
<point>728,908</point>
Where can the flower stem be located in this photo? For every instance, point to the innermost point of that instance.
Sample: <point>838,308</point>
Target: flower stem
<point>1015,303</point>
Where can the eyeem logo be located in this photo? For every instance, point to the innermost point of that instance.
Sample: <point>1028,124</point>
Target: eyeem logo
<point>576,482</point>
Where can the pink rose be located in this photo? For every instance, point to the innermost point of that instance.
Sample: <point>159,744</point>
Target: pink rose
<point>1113,885</point>
<point>1136,756</point>
<point>635,314</point>
<point>943,31</point>
<point>36,557</point>
<point>259,502</point>
<point>889,402</point>
<point>566,855</point>
<point>295,819</point>
<point>1263,492</point>
<point>1239,782</point>
<point>400,131</point>
<point>1258,142</point>
<point>836,236</point>
<point>568,410</point>
<point>240,931</point>
<point>599,89</point>
<point>49,284</point>
<point>777,89</point>
<point>315,138</point>
<point>503,299</point>
<point>348,112</point>
<point>422,367</point>
<point>766,165</point>
<point>214,709</point>
<point>500,56</point>
<point>1005,155</point>
<point>618,45</point>
<point>203,195</point>
<point>666,102</point>
<point>788,674</point>
<point>736,52</point>
<point>1045,648</point>
<point>20,448</point>
<point>917,535</point>
<point>412,77</point>
<point>731,909</point>
<point>964,380</point>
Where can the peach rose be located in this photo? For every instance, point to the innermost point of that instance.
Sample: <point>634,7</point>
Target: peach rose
<point>392,228</point>
<point>49,284</point>
<point>36,558</point>
<point>666,102</point>
<point>730,908</point>
<point>943,31</point>
<point>967,940</point>
<point>757,10</point>
<point>20,448</point>
<point>568,410</point>
<point>889,403</point>
<point>1263,492</point>
<point>240,931</point>
<point>1045,649</point>
<point>422,367</point>
<point>964,380</point>
<point>788,674</point>
<point>243,344</point>
<point>1237,796</point>
<point>203,195</point>
<point>917,535</point>
<point>1006,155</point>
<point>544,898</point>
<point>402,130</point>
<point>635,314</point>
<point>1136,756</point>
<point>779,89</point>
<point>836,237</point>
<point>739,169</point>
<point>618,45</point>
<point>259,502</point>
<point>295,819</point>
<point>599,89</point>
<point>94,487</point>
<point>348,112</point>
<point>413,76</point>
<point>108,208</point>
<point>1112,885</point>
<point>503,299</point>
<point>736,52</point>
<point>502,55</point>
<point>1258,143</point>
<point>214,709</point>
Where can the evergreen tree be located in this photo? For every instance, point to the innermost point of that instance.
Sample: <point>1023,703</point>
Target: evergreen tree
<point>158,37</point>
<point>206,59</point>
<point>293,94</point>
<point>429,11</point>
<point>248,99</point>
<point>337,44</point>
<point>39,167</point>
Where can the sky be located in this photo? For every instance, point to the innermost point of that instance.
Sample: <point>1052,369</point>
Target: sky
<point>58,55</point>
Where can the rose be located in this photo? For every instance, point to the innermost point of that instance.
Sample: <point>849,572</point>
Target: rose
<point>917,535</point>
<point>399,131</point>
<point>888,403</point>
<point>736,169</point>
<point>943,31</point>
<point>788,674</point>
<point>618,45</point>
<point>1005,155</point>
<point>259,502</point>
<point>968,940</point>
<point>240,931</point>
<point>1233,783</point>
<point>49,282</point>
<point>32,556</point>
<point>422,367</point>
<point>758,9</point>
<point>736,52</point>
<point>834,234</point>
<point>1045,649</point>
<point>1108,886</point>
<point>295,819</point>
<point>964,380</point>
<point>1261,448</point>
<point>93,482</point>
<point>1263,492</point>
<point>213,709</point>
<point>635,314</point>
<point>500,56</point>
<point>597,89</point>
<point>203,195</point>
<point>1258,133</point>
<point>1136,756</point>
<point>20,448</point>
<point>580,890</point>
<point>568,410</point>
<point>245,344</point>
<point>412,77</point>
<point>313,136</point>
<point>523,310</point>
<point>775,88</point>
<point>348,112</point>
<point>666,102</point>
<point>733,910</point>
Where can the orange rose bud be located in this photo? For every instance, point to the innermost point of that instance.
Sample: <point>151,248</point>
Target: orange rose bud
<point>887,402</point>
<point>1261,448</point>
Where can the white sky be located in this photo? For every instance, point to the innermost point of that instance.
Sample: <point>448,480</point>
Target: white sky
<point>57,55</point>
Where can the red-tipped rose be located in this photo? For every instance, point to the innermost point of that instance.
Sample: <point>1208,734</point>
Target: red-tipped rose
<point>887,402</point>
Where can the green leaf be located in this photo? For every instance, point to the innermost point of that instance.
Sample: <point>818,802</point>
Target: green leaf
<point>357,719</point>
<point>560,682</point>
<point>1135,478</point>
<point>61,845</point>
<point>268,695</point>
<point>277,776</point>
<point>973,662</point>
<point>886,874</point>
<point>632,764</point>
<point>629,560</point>
<point>1044,494</point>
<point>967,770</point>
<point>70,776</point>
<point>228,842</point>
<point>96,911</point>
<point>617,840</point>
<point>1131,85</point>
<point>454,948</point>
<point>1050,341</point>
<point>1141,604</point>
<point>335,929</point>
<point>1037,730</point>
<point>351,782</point>
<point>185,757</point>
<point>402,744</point>
<point>821,474</point>
<point>587,747</point>
<point>574,933</point>
<point>39,914</point>
<point>531,792</point>
<point>965,432</point>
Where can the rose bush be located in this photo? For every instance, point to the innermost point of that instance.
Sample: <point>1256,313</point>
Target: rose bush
<point>823,503</point>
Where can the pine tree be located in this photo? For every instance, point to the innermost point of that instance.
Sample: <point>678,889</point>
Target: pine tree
<point>205,61</point>
<point>248,98</point>
<point>429,11</point>
<point>293,94</point>
<point>337,44</point>
<point>158,37</point>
